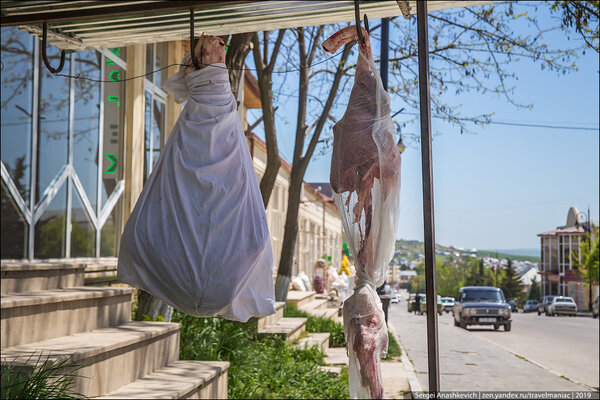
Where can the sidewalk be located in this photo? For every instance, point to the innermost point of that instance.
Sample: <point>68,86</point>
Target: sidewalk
<point>399,379</point>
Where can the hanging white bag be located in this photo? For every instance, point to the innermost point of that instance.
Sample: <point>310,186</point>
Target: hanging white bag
<point>198,238</point>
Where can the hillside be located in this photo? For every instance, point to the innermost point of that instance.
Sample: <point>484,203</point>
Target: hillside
<point>413,247</point>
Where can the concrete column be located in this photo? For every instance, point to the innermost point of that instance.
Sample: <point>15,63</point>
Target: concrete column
<point>134,128</point>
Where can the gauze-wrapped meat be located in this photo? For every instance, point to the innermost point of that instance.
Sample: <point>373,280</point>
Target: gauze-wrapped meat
<point>366,341</point>
<point>365,178</point>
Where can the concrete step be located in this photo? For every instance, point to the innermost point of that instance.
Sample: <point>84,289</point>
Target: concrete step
<point>273,318</point>
<point>179,380</point>
<point>38,316</point>
<point>103,273</point>
<point>315,304</point>
<point>329,313</point>
<point>335,371</point>
<point>320,339</point>
<point>23,277</point>
<point>336,356</point>
<point>291,328</point>
<point>299,298</point>
<point>111,357</point>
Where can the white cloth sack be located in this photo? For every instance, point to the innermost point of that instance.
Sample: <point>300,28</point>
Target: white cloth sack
<point>198,238</point>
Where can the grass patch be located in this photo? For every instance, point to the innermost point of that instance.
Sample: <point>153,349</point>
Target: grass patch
<point>260,369</point>
<point>394,350</point>
<point>318,324</point>
<point>44,380</point>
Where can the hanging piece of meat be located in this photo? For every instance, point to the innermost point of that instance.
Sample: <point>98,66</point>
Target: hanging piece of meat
<point>365,178</point>
<point>364,151</point>
<point>367,337</point>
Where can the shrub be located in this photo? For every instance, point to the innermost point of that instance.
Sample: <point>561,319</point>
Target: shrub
<point>318,324</point>
<point>266,368</point>
<point>44,380</point>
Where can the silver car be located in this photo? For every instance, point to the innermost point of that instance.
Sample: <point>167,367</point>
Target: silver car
<point>562,305</point>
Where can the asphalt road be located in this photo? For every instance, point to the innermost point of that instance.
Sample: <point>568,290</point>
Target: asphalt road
<point>539,353</point>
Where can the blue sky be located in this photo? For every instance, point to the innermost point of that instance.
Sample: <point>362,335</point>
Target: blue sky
<point>502,185</point>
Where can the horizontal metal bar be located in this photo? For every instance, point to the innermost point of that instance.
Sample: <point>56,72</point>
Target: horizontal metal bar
<point>91,13</point>
<point>38,30</point>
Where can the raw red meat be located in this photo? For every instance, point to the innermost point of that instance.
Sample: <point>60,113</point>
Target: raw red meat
<point>361,153</point>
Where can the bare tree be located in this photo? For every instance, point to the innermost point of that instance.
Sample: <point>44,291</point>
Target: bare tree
<point>264,72</point>
<point>302,151</point>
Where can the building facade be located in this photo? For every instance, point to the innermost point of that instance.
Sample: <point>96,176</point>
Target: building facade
<point>559,251</point>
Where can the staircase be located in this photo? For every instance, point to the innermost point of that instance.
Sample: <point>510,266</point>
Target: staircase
<point>314,304</point>
<point>46,309</point>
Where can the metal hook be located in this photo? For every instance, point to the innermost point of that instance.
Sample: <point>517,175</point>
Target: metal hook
<point>192,40</point>
<point>62,53</point>
<point>357,17</point>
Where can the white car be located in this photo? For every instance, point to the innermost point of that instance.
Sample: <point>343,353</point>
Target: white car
<point>395,298</point>
<point>447,303</point>
<point>562,305</point>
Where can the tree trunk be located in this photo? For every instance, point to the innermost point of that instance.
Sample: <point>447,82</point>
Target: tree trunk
<point>152,307</point>
<point>290,234</point>
<point>239,47</point>
<point>264,73</point>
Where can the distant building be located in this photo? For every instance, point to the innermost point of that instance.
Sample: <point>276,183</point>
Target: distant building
<point>558,247</point>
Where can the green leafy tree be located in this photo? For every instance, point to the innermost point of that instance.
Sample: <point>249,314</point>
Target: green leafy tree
<point>586,261</point>
<point>534,291</point>
<point>510,283</point>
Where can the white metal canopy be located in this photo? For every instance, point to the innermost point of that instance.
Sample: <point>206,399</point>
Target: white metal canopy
<point>79,25</point>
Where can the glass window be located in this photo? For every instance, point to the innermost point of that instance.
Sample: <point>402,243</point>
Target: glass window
<point>14,232</point>
<point>158,129</point>
<point>50,230</point>
<point>110,236</point>
<point>86,123</point>
<point>83,233</point>
<point>147,135</point>
<point>150,61</point>
<point>160,61</point>
<point>17,107</point>
<point>53,122</point>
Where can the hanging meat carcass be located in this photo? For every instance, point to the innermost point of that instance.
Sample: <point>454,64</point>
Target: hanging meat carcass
<point>365,178</point>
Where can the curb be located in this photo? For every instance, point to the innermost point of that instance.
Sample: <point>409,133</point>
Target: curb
<point>413,382</point>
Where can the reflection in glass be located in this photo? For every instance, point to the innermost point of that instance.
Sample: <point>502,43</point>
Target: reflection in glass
<point>83,235</point>
<point>85,122</point>
<point>160,61</point>
<point>147,136</point>
<point>158,127</point>
<point>109,243</point>
<point>150,61</point>
<point>17,105</point>
<point>50,230</point>
<point>14,229</point>
<point>114,122</point>
<point>53,122</point>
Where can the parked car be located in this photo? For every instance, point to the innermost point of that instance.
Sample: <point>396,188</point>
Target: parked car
<point>530,306</point>
<point>481,305</point>
<point>447,303</point>
<point>595,306</point>
<point>395,298</point>
<point>562,305</point>
<point>513,306</point>
<point>424,304</point>
<point>543,306</point>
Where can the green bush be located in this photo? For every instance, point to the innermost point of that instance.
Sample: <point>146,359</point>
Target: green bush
<point>318,324</point>
<point>393,348</point>
<point>266,368</point>
<point>43,380</point>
